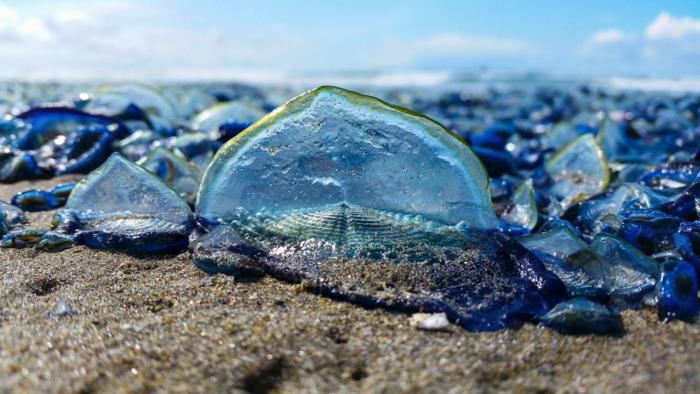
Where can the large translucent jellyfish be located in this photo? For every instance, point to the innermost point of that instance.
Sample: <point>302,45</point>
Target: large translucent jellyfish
<point>122,206</point>
<point>371,203</point>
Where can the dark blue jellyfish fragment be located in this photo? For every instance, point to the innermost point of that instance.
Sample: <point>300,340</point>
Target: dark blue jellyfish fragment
<point>62,191</point>
<point>230,129</point>
<point>121,206</point>
<point>501,190</point>
<point>13,215</point>
<point>572,260</point>
<point>22,237</point>
<point>496,162</point>
<point>5,225</point>
<point>175,171</point>
<point>678,291</point>
<point>84,150</point>
<point>632,274</point>
<point>629,198</point>
<point>672,175</point>
<point>650,232</point>
<point>133,112</point>
<point>138,144</point>
<point>685,205</point>
<point>580,316</point>
<point>529,159</point>
<point>16,166</point>
<point>198,148</point>
<point>226,120</point>
<point>552,223</point>
<point>493,137</point>
<point>687,243</point>
<point>10,130</point>
<point>53,241</point>
<point>45,123</point>
<point>36,200</point>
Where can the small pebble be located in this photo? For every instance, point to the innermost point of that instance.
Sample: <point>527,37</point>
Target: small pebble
<point>430,321</point>
<point>62,309</point>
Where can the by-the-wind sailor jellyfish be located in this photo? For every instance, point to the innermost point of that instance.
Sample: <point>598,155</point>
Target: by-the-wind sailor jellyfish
<point>122,206</point>
<point>371,203</point>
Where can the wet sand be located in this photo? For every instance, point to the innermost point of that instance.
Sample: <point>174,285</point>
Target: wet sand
<point>161,324</point>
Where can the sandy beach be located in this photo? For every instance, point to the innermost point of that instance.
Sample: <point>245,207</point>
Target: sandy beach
<point>159,324</point>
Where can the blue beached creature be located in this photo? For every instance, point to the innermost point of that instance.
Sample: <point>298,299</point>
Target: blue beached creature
<point>226,120</point>
<point>17,165</point>
<point>175,171</point>
<point>12,214</point>
<point>371,203</point>
<point>582,316</point>
<point>121,206</point>
<point>678,291</point>
<point>45,123</point>
<point>35,200</point>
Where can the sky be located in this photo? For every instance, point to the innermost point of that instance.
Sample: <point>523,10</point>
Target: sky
<point>206,39</point>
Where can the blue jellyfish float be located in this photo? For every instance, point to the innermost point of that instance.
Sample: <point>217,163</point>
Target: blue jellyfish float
<point>370,203</point>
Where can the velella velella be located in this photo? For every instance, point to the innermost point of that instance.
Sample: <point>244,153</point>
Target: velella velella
<point>371,203</point>
<point>45,123</point>
<point>572,260</point>
<point>522,210</point>
<point>226,120</point>
<point>678,291</point>
<point>632,273</point>
<point>84,150</point>
<point>62,191</point>
<point>134,102</point>
<point>122,206</point>
<point>17,165</point>
<point>36,200</point>
<point>197,147</point>
<point>608,268</point>
<point>175,171</point>
<point>22,237</point>
<point>12,214</point>
<point>43,200</point>
<point>578,170</point>
<point>583,316</point>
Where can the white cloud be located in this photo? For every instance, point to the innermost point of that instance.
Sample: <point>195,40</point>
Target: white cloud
<point>116,40</point>
<point>8,17</point>
<point>668,44</point>
<point>610,46</point>
<point>14,27</point>
<point>666,26</point>
<point>34,28</point>
<point>611,36</point>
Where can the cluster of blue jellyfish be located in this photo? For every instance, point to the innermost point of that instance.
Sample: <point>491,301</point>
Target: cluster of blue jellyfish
<point>562,206</point>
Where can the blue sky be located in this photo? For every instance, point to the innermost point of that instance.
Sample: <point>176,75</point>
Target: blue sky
<point>203,39</point>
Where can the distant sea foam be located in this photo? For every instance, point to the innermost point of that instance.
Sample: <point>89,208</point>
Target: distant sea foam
<point>469,80</point>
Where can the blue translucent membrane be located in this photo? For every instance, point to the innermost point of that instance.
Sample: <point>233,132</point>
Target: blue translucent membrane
<point>331,146</point>
<point>121,206</point>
